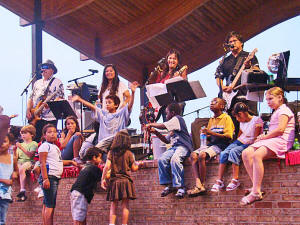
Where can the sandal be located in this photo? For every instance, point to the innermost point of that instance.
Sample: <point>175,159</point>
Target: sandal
<point>251,198</point>
<point>196,191</point>
<point>167,190</point>
<point>248,191</point>
<point>22,197</point>
<point>218,186</point>
<point>180,193</point>
<point>234,184</point>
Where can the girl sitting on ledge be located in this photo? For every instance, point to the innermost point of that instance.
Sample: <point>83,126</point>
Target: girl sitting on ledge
<point>274,144</point>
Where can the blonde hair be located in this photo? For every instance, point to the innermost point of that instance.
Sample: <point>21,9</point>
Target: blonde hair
<point>30,129</point>
<point>277,91</point>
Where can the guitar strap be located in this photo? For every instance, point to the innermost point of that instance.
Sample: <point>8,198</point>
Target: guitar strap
<point>237,66</point>
<point>48,87</point>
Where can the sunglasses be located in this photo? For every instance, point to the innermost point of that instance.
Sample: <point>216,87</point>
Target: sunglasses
<point>45,67</point>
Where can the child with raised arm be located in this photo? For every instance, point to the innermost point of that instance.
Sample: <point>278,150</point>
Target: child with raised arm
<point>25,153</point>
<point>111,120</point>
<point>51,171</point>
<point>170,167</point>
<point>250,128</point>
<point>8,171</point>
<point>219,133</point>
<point>121,162</point>
<point>274,144</point>
<point>82,191</point>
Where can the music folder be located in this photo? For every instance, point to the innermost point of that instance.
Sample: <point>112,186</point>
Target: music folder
<point>61,109</point>
<point>180,90</point>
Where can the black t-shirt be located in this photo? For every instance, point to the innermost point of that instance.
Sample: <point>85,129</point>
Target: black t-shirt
<point>86,182</point>
<point>229,63</point>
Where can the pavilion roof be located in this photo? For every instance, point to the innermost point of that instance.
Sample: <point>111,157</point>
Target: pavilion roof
<point>135,34</point>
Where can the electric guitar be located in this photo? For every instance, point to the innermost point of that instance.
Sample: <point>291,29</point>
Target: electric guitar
<point>36,112</point>
<point>228,96</point>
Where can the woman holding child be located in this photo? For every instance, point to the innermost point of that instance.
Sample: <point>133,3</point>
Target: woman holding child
<point>274,144</point>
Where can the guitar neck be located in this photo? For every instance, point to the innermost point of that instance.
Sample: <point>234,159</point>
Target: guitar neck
<point>237,77</point>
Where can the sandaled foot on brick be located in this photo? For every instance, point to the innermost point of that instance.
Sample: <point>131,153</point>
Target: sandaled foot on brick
<point>251,198</point>
<point>218,186</point>
<point>234,184</point>
<point>196,191</point>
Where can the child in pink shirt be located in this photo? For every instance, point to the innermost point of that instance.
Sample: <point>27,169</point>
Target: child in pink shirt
<point>274,144</point>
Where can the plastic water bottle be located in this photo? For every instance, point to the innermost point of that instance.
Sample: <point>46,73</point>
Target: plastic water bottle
<point>202,138</point>
<point>296,144</point>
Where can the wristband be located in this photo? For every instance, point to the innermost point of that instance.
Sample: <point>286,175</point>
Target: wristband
<point>45,179</point>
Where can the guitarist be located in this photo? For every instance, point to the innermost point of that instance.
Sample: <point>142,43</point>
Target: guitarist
<point>230,67</point>
<point>43,88</point>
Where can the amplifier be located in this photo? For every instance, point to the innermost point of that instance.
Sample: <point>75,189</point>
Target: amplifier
<point>254,76</point>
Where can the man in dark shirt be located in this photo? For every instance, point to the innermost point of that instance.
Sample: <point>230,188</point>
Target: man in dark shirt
<point>232,64</point>
<point>230,67</point>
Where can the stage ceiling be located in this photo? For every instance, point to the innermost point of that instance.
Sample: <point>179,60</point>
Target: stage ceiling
<point>135,34</point>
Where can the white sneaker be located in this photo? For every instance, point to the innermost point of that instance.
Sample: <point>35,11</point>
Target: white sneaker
<point>41,194</point>
<point>37,189</point>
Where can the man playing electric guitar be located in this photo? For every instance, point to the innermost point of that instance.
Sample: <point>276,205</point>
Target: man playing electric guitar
<point>43,88</point>
<point>230,67</point>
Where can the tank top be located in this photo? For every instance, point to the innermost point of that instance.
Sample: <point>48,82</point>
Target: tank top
<point>6,171</point>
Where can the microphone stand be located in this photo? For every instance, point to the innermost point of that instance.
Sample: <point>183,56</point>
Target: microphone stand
<point>81,106</point>
<point>78,78</point>
<point>33,78</point>
<point>26,91</point>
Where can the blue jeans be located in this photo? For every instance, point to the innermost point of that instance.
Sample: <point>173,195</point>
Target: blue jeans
<point>51,193</point>
<point>233,153</point>
<point>67,152</point>
<point>4,203</point>
<point>170,167</point>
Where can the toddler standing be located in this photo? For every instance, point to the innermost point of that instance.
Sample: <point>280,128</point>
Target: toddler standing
<point>121,162</point>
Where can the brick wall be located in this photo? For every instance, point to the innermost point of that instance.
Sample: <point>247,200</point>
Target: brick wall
<point>280,206</point>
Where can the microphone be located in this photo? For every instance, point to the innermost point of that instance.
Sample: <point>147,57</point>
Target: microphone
<point>93,71</point>
<point>228,45</point>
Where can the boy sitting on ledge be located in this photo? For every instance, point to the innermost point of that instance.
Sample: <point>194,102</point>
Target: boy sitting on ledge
<point>170,168</point>
<point>219,131</point>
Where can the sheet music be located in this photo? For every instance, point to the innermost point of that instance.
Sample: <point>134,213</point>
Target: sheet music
<point>155,90</point>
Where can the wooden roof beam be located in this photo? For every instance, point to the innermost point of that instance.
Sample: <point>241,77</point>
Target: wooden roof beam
<point>53,9</point>
<point>148,26</point>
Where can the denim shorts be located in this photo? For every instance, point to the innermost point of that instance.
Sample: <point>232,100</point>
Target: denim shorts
<point>4,203</point>
<point>50,194</point>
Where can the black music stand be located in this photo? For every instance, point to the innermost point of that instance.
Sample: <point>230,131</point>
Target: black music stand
<point>61,110</point>
<point>181,91</point>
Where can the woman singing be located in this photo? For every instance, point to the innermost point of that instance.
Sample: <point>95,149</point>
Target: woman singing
<point>170,70</point>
